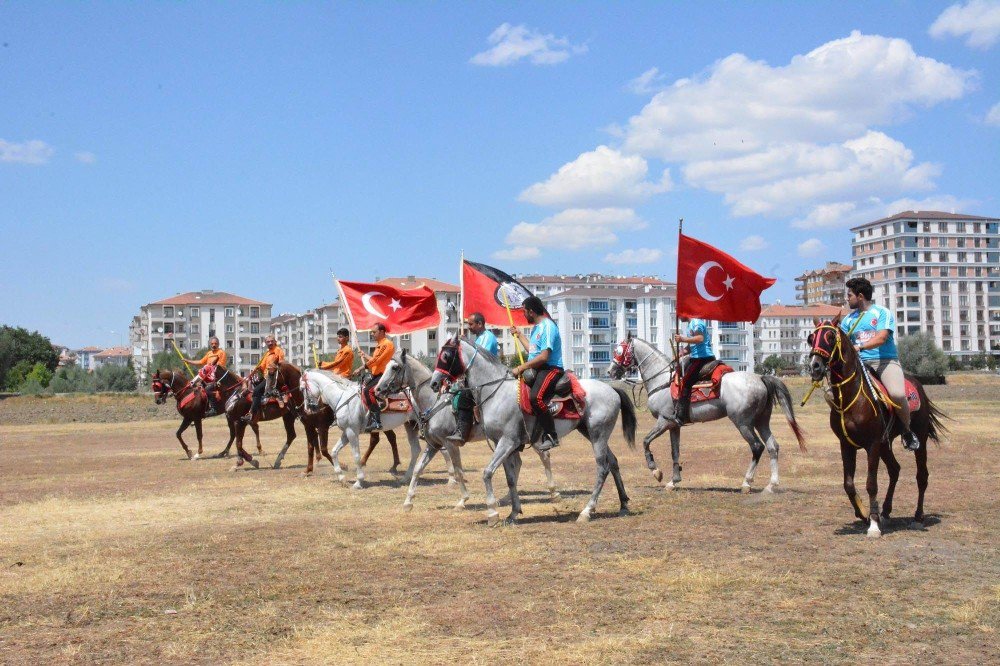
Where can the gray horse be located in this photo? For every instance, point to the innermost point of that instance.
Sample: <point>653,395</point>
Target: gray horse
<point>745,397</point>
<point>407,373</point>
<point>496,393</point>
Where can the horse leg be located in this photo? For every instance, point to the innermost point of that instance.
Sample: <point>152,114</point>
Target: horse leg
<point>335,454</point>
<point>324,444</point>
<point>603,462</point>
<point>184,425</point>
<point>849,456</point>
<point>504,448</point>
<point>446,452</point>
<point>372,443</point>
<point>413,437</point>
<point>289,420</point>
<point>756,449</point>
<point>892,466</point>
<point>616,474</point>
<point>242,454</point>
<point>512,470</point>
<point>232,438</point>
<point>197,431</point>
<point>921,458</point>
<point>411,491</point>
<point>874,456</point>
<point>458,471</point>
<point>764,430</point>
<point>547,466</point>
<point>661,427</point>
<point>312,446</point>
<point>359,466</point>
<point>675,455</point>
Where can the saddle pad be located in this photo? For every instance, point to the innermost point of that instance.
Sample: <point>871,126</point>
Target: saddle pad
<point>912,395</point>
<point>569,407</point>
<point>396,403</point>
<point>186,400</point>
<point>703,391</point>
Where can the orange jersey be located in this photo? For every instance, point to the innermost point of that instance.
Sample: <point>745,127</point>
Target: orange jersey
<point>342,363</point>
<point>217,357</point>
<point>381,357</point>
<point>272,357</point>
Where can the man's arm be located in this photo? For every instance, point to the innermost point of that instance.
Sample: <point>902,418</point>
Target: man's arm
<point>873,342</point>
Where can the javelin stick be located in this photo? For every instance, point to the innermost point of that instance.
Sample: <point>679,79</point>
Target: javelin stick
<point>674,345</point>
<point>350,316</point>
<point>315,355</point>
<point>184,360</point>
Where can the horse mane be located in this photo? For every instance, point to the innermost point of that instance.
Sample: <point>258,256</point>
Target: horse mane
<point>343,381</point>
<point>482,350</point>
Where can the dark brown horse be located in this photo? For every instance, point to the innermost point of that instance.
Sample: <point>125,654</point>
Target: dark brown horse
<point>192,402</point>
<point>288,408</point>
<point>862,420</point>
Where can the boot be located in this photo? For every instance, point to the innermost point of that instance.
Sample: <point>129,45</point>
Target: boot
<point>374,421</point>
<point>682,412</point>
<point>269,384</point>
<point>463,426</point>
<point>549,441</point>
<point>910,441</point>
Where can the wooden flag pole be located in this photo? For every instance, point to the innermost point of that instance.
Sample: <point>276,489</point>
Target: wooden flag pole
<point>675,346</point>
<point>510,318</point>
<point>315,355</point>
<point>183,360</point>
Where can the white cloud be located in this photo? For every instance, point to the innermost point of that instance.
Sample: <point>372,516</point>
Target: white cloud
<point>648,82</point>
<point>518,253</point>
<point>993,116</point>
<point>512,43</point>
<point>85,157</point>
<point>979,20</point>
<point>30,152</point>
<point>944,203</point>
<point>811,248</point>
<point>643,255</point>
<point>754,243</point>
<point>600,177</point>
<point>847,214</point>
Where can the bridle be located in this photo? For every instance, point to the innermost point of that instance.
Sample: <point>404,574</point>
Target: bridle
<point>162,389</point>
<point>625,358</point>
<point>453,374</point>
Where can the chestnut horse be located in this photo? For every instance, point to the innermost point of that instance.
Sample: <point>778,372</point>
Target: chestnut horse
<point>192,405</point>
<point>861,420</point>
<point>286,382</point>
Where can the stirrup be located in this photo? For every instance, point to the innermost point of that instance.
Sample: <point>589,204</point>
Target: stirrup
<point>547,442</point>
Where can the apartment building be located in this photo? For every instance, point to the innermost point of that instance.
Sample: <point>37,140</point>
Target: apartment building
<point>939,273</point>
<point>823,285</point>
<point>782,331</point>
<point>85,357</point>
<point>190,319</point>
<point>550,285</point>
<point>114,356</point>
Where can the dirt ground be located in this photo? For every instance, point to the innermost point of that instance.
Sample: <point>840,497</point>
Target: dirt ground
<point>98,408</point>
<point>115,549</point>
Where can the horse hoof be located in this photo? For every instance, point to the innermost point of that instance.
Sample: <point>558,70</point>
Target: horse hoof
<point>307,475</point>
<point>624,511</point>
<point>492,519</point>
<point>407,506</point>
<point>358,485</point>
<point>255,464</point>
<point>873,532</point>
<point>658,475</point>
<point>196,456</point>
<point>452,481</point>
<point>554,495</point>
<point>584,517</point>
<point>671,485</point>
<point>460,506</point>
<point>745,488</point>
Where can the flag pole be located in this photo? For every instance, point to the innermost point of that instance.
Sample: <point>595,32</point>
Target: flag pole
<point>510,318</point>
<point>350,317</point>
<point>674,345</point>
<point>315,355</point>
<point>461,292</point>
<point>183,360</point>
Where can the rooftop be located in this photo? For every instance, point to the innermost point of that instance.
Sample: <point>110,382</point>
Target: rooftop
<point>114,352</point>
<point>831,267</point>
<point>921,215</point>
<point>88,350</point>
<point>208,297</point>
<point>778,310</point>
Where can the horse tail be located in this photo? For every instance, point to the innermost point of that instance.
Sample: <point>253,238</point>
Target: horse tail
<point>935,417</point>
<point>628,417</point>
<point>778,393</point>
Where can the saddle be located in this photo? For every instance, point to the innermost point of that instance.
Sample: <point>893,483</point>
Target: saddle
<point>198,391</point>
<point>707,384</point>
<point>396,402</point>
<point>568,401</point>
<point>912,395</point>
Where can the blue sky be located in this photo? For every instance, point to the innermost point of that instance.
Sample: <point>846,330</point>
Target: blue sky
<point>148,149</point>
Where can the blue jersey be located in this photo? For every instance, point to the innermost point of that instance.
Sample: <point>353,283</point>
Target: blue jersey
<point>862,326</point>
<point>545,335</point>
<point>702,349</point>
<point>488,341</point>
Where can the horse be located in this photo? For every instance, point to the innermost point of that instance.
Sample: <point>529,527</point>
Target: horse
<point>350,415</point>
<point>437,422</point>
<point>745,397</point>
<point>861,420</point>
<point>317,418</point>
<point>287,379</point>
<point>192,404</point>
<point>496,393</point>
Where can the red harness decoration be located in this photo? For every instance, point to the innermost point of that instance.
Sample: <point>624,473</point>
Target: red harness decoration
<point>912,395</point>
<point>570,407</point>
<point>186,400</point>
<point>706,391</point>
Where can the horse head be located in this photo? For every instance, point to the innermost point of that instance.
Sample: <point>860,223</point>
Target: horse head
<point>623,358</point>
<point>162,385</point>
<point>394,378</point>
<point>826,347</point>
<point>449,366</point>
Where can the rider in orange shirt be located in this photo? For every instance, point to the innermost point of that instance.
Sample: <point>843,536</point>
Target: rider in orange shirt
<point>269,368</point>
<point>343,362</point>
<point>213,358</point>
<point>376,363</point>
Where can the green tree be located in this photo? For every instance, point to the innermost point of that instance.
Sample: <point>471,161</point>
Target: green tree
<point>19,344</point>
<point>166,360</point>
<point>921,357</point>
<point>16,375</point>
<point>775,363</point>
<point>39,373</point>
<point>115,378</point>
<point>73,379</point>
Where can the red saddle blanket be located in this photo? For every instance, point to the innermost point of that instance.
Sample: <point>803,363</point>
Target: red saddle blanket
<point>189,398</point>
<point>569,407</point>
<point>912,395</point>
<point>703,391</point>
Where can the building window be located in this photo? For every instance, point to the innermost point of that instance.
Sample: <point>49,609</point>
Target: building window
<point>229,344</point>
<point>168,328</point>
<point>195,312</point>
<point>229,328</point>
<point>254,312</point>
<point>578,339</point>
<point>254,343</point>
<point>577,323</point>
<point>180,327</point>
<point>255,358</point>
<point>168,311</point>
<point>229,312</point>
<point>432,334</point>
<point>255,328</point>
<point>195,329</point>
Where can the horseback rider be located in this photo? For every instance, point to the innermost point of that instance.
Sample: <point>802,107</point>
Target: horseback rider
<point>269,368</point>
<point>545,360</point>
<point>485,339</point>
<point>343,362</point>
<point>375,364</point>
<point>700,351</point>
<point>871,329</point>
<point>213,358</point>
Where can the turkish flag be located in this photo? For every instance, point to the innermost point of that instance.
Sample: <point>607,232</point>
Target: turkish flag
<point>713,285</point>
<point>481,292</point>
<point>401,310</point>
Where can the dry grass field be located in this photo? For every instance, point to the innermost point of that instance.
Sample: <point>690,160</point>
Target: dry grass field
<point>114,549</point>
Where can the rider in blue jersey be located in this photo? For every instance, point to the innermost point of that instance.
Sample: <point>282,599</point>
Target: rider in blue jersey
<point>700,349</point>
<point>464,405</point>
<point>545,358</point>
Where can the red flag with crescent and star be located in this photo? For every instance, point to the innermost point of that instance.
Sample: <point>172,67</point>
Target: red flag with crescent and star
<point>401,310</point>
<point>713,285</point>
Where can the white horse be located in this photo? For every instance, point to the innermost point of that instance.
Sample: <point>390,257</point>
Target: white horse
<point>496,393</point>
<point>437,423</point>
<point>350,415</point>
<point>745,397</point>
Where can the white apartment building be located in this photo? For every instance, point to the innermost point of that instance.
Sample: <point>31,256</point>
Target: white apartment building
<point>192,318</point>
<point>85,357</point>
<point>114,356</point>
<point>823,285</point>
<point>782,330</point>
<point>550,285</point>
<point>939,273</point>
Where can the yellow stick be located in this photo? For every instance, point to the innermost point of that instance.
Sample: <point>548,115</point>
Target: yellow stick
<point>315,355</point>
<point>510,318</point>
<point>184,360</point>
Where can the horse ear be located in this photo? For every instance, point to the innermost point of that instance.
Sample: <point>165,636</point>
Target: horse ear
<point>628,335</point>
<point>836,320</point>
<point>404,356</point>
<point>816,321</point>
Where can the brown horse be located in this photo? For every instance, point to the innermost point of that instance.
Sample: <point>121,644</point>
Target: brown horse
<point>287,408</point>
<point>861,420</point>
<point>192,402</point>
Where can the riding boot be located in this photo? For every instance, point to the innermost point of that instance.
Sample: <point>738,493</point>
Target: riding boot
<point>682,411</point>
<point>463,426</point>
<point>269,384</point>
<point>374,419</point>
<point>550,439</point>
<point>910,441</point>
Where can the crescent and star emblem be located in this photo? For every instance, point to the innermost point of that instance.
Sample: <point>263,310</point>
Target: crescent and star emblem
<point>366,301</point>
<point>699,280</point>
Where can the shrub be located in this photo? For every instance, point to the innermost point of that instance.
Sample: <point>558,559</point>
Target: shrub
<point>73,379</point>
<point>921,357</point>
<point>774,363</point>
<point>23,349</point>
<point>115,378</point>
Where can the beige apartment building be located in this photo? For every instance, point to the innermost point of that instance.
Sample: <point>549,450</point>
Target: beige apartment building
<point>192,318</point>
<point>823,285</point>
<point>938,273</point>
